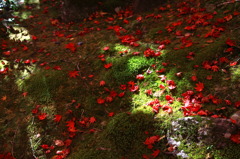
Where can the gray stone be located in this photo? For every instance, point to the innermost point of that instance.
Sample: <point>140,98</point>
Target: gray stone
<point>200,130</point>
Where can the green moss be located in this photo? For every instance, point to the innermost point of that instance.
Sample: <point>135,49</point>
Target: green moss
<point>235,74</point>
<point>126,68</point>
<point>92,154</point>
<point>43,85</point>
<point>229,152</point>
<point>126,133</point>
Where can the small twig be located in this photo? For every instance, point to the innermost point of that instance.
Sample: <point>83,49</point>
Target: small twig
<point>228,2</point>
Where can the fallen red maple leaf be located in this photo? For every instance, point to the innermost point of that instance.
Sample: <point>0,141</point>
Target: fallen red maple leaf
<point>71,46</point>
<point>108,65</point>
<point>92,120</point>
<point>199,86</point>
<point>73,74</point>
<point>235,138</point>
<point>100,100</point>
<point>57,118</point>
<point>42,116</point>
<point>230,42</point>
<point>155,153</point>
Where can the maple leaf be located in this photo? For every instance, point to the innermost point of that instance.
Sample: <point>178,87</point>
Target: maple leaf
<point>71,46</point>
<point>194,78</point>
<point>34,37</point>
<point>73,74</point>
<point>92,120</point>
<point>167,109</point>
<point>57,118</point>
<point>67,142</point>
<point>102,83</point>
<point>199,86</point>
<point>228,17</point>
<point>57,67</point>
<point>230,42</point>
<point>233,63</point>
<point>202,112</point>
<point>44,146</point>
<point>121,94</point>
<point>235,138</point>
<point>42,116</point>
<point>106,48</point>
<point>111,114</point>
<point>100,100</point>
<point>155,153</point>
<point>108,65</point>
<point>215,68</point>
<point>109,99</point>
<point>151,140</point>
<point>140,76</point>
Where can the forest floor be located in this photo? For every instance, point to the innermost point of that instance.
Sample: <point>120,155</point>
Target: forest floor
<point>109,86</point>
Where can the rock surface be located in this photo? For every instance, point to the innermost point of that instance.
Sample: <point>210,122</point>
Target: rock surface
<point>200,130</point>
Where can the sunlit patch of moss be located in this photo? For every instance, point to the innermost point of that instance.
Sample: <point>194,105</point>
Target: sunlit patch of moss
<point>126,68</point>
<point>140,99</point>
<point>235,74</point>
<point>119,47</point>
<point>144,109</point>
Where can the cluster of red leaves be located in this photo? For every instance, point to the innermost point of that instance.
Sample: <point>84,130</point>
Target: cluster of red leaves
<point>150,141</point>
<point>151,53</point>
<point>155,104</point>
<point>129,39</point>
<point>7,156</point>
<point>110,95</point>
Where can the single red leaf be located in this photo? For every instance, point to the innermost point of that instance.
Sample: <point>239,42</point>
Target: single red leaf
<point>199,86</point>
<point>73,74</point>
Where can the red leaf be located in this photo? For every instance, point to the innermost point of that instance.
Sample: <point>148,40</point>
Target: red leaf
<point>92,120</point>
<point>201,112</point>
<point>140,76</point>
<point>194,78</point>
<point>108,65</point>
<point>106,48</point>
<point>237,104</point>
<point>109,99</point>
<point>100,100</point>
<point>57,67</point>
<point>34,37</point>
<point>233,63</point>
<point>42,116</point>
<point>199,86</point>
<point>155,153</point>
<point>102,83</point>
<point>230,42</point>
<point>45,146</point>
<point>57,118</point>
<point>71,46</point>
<point>73,74</point>
<point>111,114</point>
<point>151,140</point>
<point>235,138</point>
